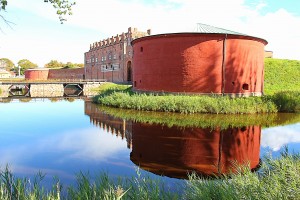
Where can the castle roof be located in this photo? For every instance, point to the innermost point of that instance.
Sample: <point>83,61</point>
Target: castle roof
<point>204,28</point>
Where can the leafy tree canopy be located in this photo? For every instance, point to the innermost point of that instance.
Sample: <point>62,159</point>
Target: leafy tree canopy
<point>68,65</point>
<point>54,64</point>
<point>26,64</point>
<point>6,64</point>
<point>62,7</point>
<point>72,65</point>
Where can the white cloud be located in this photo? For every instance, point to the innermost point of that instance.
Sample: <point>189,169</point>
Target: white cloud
<point>85,144</point>
<point>276,138</point>
<point>107,18</point>
<point>111,17</point>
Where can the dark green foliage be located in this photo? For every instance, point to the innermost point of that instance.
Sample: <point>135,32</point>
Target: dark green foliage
<point>287,101</point>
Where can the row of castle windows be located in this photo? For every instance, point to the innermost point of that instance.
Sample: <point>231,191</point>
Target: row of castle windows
<point>103,58</point>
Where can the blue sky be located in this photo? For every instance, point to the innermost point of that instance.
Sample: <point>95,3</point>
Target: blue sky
<point>38,35</point>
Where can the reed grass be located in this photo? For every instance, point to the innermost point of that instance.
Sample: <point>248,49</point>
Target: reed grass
<point>278,178</point>
<point>185,104</point>
<point>121,96</point>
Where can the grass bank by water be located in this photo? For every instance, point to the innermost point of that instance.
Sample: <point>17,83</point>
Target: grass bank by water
<point>121,96</point>
<point>277,179</point>
<point>282,88</point>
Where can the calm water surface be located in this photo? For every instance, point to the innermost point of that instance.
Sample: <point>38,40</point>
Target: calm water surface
<point>64,137</point>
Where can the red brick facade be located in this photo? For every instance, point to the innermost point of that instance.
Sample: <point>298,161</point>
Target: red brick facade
<point>45,74</point>
<point>199,63</point>
<point>77,73</point>
<point>111,59</point>
<point>36,74</point>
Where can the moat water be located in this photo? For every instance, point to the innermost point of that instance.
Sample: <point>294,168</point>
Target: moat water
<point>61,137</point>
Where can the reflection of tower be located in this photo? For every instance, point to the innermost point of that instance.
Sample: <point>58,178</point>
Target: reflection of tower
<point>173,151</point>
<point>117,126</point>
<point>176,151</point>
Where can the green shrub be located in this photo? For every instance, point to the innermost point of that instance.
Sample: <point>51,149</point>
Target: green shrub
<point>287,101</point>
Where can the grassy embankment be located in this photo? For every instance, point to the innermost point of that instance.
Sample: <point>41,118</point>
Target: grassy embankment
<point>277,179</point>
<point>282,89</point>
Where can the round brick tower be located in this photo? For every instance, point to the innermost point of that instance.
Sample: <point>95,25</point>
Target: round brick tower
<point>214,61</point>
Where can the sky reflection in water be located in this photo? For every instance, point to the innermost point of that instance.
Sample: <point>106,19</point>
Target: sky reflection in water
<point>58,138</point>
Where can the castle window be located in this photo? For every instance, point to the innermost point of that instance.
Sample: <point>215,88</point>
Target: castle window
<point>142,49</point>
<point>245,86</point>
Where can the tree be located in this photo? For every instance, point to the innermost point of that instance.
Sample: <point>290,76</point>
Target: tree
<point>26,64</point>
<point>70,65</point>
<point>6,64</point>
<point>62,7</point>
<point>54,64</point>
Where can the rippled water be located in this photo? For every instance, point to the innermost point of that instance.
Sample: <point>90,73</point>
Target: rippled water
<point>62,137</point>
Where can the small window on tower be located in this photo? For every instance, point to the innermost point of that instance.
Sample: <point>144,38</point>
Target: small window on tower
<point>245,86</point>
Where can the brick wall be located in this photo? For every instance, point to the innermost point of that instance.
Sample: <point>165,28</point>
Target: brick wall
<point>77,73</point>
<point>111,59</point>
<point>198,63</point>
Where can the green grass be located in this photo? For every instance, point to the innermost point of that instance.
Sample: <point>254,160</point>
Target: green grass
<point>187,104</point>
<point>276,179</point>
<point>281,75</point>
<point>282,87</point>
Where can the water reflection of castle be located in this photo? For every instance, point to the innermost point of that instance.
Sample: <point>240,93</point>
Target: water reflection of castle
<point>119,127</point>
<point>175,151</point>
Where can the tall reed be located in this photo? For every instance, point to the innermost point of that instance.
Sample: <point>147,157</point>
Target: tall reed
<point>278,178</point>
